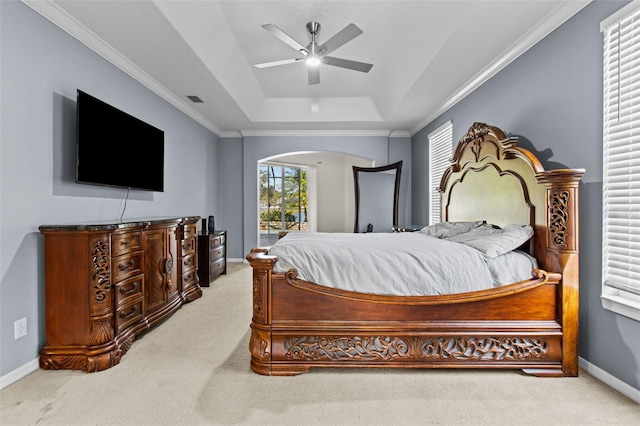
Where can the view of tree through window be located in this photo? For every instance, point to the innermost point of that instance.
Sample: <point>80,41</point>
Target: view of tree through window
<point>283,201</point>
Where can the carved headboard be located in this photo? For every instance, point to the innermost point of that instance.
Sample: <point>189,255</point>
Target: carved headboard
<point>492,179</point>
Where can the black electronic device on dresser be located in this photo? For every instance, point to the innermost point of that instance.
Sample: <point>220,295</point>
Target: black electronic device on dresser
<point>212,256</point>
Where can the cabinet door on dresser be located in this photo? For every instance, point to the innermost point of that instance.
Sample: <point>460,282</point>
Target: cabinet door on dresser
<point>161,279</point>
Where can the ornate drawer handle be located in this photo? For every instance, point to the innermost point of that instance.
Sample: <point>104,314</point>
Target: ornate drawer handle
<point>134,288</point>
<point>130,314</point>
<point>122,267</point>
<point>125,242</point>
<point>168,265</point>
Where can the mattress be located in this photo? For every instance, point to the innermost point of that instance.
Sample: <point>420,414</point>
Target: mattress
<point>399,264</point>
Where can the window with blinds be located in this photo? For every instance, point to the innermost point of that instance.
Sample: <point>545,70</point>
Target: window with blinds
<point>440,153</point>
<point>621,162</point>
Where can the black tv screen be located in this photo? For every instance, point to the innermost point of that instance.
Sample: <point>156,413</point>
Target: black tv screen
<point>117,149</point>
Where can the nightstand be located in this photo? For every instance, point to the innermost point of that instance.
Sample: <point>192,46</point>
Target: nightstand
<point>212,256</point>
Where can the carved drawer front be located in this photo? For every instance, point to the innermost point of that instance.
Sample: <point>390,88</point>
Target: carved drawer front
<point>128,314</point>
<point>188,262</point>
<point>190,231</point>
<point>189,278</point>
<point>125,243</point>
<point>189,245</point>
<point>129,289</point>
<point>127,265</point>
<point>216,268</point>
<point>216,253</point>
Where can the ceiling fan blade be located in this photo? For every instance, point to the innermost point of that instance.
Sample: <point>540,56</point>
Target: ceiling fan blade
<point>276,63</point>
<point>285,37</point>
<point>314,75</point>
<point>345,63</point>
<point>345,35</point>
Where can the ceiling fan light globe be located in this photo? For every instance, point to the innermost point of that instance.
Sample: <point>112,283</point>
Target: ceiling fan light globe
<point>312,60</point>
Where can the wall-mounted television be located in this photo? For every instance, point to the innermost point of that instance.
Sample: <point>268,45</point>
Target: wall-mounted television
<point>117,149</point>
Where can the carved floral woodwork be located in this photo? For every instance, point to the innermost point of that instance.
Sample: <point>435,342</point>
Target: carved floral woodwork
<point>260,345</point>
<point>414,348</point>
<point>558,217</point>
<point>100,258</point>
<point>476,131</point>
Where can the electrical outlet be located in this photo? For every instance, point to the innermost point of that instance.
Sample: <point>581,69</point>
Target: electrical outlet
<point>20,328</point>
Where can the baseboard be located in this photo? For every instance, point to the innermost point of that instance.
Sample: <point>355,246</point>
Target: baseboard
<point>238,260</point>
<point>606,378</point>
<point>19,373</point>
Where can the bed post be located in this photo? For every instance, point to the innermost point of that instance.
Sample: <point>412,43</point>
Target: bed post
<point>562,255</point>
<point>260,342</point>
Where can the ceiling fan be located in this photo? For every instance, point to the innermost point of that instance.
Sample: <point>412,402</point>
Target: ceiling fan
<point>315,54</point>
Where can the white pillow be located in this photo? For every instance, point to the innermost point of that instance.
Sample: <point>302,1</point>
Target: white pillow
<point>449,229</point>
<point>493,242</point>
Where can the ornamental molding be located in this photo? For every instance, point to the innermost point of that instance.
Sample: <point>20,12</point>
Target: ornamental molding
<point>101,272</point>
<point>558,218</point>
<point>385,348</point>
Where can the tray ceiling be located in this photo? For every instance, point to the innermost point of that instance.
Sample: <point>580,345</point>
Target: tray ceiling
<point>426,56</point>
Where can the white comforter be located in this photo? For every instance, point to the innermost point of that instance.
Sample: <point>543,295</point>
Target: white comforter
<point>401,264</point>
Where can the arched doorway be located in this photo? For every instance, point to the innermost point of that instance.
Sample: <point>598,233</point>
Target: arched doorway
<point>328,203</point>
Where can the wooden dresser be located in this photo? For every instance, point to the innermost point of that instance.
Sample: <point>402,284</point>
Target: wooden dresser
<point>107,283</point>
<point>212,256</point>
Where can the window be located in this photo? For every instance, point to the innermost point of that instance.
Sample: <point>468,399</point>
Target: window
<point>621,162</point>
<point>440,153</point>
<point>283,204</point>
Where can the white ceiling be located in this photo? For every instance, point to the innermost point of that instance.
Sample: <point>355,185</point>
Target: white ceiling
<point>426,56</point>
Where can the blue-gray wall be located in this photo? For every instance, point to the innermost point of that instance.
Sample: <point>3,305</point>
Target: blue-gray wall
<point>552,98</point>
<point>41,67</point>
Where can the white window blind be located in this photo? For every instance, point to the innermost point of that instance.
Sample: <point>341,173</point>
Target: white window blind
<point>440,153</point>
<point>621,167</point>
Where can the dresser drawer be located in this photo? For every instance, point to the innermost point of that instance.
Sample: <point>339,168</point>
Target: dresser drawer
<point>216,253</point>
<point>216,240</point>
<point>125,243</point>
<point>189,231</point>
<point>128,289</point>
<point>189,245</point>
<point>189,278</point>
<point>216,268</point>
<point>189,262</point>
<point>128,314</point>
<point>127,265</point>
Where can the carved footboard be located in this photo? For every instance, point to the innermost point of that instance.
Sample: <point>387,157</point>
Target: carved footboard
<point>298,325</point>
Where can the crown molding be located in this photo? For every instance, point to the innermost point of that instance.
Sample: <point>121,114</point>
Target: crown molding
<point>67,23</point>
<point>230,134</point>
<point>313,133</point>
<point>400,134</point>
<point>553,20</point>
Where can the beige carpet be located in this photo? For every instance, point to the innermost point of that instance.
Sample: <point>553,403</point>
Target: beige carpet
<point>194,370</point>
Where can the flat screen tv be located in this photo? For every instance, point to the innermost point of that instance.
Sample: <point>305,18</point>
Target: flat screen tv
<point>117,149</point>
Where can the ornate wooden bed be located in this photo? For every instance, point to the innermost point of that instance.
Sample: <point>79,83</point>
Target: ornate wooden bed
<point>530,325</point>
